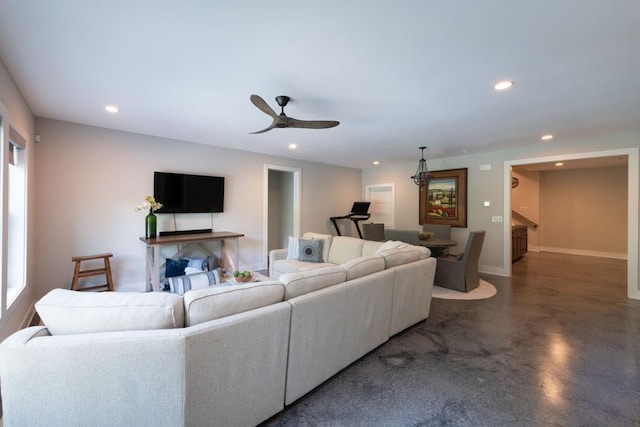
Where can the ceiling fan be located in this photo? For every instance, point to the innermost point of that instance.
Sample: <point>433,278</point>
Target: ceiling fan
<point>283,121</point>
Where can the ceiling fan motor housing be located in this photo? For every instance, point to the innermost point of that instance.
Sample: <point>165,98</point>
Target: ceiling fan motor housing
<point>282,100</point>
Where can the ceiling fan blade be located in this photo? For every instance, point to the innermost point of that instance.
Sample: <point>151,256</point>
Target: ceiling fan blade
<point>273,125</point>
<point>312,124</point>
<point>263,106</point>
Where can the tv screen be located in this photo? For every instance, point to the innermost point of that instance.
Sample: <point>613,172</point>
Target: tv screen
<point>182,193</point>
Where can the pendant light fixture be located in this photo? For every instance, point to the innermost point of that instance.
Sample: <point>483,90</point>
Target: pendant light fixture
<point>422,175</point>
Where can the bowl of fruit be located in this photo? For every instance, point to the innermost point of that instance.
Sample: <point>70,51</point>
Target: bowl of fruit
<point>242,276</point>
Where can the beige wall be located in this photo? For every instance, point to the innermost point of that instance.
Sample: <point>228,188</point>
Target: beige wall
<point>584,211</point>
<point>90,180</point>
<point>14,109</point>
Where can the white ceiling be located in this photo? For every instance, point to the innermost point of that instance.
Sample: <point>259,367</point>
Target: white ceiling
<point>396,74</point>
<point>592,162</point>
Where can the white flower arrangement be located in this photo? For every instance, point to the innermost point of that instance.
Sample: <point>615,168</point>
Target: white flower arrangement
<point>149,203</point>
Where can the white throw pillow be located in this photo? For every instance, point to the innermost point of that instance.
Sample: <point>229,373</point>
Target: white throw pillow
<point>294,248</point>
<point>391,244</point>
<point>203,279</point>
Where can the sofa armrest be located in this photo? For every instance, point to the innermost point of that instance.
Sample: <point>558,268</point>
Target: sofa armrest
<point>275,255</point>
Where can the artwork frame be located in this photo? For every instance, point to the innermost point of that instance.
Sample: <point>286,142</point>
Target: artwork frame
<point>443,200</point>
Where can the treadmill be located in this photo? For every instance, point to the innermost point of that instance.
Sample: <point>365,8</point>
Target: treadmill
<point>359,212</point>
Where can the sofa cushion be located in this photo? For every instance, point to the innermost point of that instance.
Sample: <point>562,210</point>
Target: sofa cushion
<point>403,255</point>
<point>203,305</point>
<point>283,266</point>
<point>66,312</point>
<point>363,266</point>
<point>327,241</point>
<point>369,247</point>
<point>345,249</point>
<point>303,282</point>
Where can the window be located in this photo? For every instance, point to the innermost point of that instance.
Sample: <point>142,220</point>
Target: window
<point>16,216</point>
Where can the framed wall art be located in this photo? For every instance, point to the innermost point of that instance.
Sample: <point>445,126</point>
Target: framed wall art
<point>443,200</point>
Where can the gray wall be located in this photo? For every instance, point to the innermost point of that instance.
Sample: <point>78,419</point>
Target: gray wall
<point>90,180</point>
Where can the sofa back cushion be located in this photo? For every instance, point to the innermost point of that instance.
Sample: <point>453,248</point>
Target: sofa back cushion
<point>203,305</point>
<point>369,247</point>
<point>403,255</point>
<point>303,282</point>
<point>345,249</point>
<point>66,312</point>
<point>327,241</point>
<point>363,266</point>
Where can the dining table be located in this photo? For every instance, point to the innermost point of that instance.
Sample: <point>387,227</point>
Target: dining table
<point>437,245</point>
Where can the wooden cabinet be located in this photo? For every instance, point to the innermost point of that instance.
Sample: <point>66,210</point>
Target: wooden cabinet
<point>518,242</point>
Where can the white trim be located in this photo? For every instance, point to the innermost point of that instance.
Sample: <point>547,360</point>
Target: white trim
<point>392,211</point>
<point>633,176</point>
<point>491,270</point>
<point>297,203</point>
<point>570,251</point>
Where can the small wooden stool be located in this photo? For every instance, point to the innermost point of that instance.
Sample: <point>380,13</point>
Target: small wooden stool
<point>106,270</point>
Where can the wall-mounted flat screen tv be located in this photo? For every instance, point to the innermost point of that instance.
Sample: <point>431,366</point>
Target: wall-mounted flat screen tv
<point>182,193</point>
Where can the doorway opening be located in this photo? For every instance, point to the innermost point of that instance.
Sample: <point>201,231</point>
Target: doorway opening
<point>633,174</point>
<point>281,207</point>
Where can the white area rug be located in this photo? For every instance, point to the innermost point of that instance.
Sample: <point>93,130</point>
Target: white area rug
<point>484,290</point>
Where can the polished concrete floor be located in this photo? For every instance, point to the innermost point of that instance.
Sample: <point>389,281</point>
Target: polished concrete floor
<point>559,345</point>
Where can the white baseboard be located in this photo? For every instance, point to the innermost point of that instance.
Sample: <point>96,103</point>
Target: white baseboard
<point>598,254</point>
<point>492,270</point>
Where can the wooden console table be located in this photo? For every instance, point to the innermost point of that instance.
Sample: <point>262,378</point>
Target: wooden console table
<point>184,242</point>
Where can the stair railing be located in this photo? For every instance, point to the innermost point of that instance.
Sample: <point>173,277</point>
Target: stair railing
<point>524,220</point>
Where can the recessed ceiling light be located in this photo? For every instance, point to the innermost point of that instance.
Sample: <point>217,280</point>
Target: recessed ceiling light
<point>375,162</point>
<point>292,146</point>
<point>546,137</point>
<point>111,109</point>
<point>559,164</point>
<point>503,85</point>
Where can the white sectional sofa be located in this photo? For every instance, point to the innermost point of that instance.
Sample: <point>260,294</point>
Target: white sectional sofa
<point>226,355</point>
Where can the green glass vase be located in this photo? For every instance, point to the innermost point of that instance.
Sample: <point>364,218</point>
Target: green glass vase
<point>150,222</point>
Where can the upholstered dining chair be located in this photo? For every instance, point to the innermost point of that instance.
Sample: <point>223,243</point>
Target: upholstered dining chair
<point>460,272</point>
<point>373,231</point>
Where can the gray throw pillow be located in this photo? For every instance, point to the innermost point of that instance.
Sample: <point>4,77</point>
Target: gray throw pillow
<point>310,250</point>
